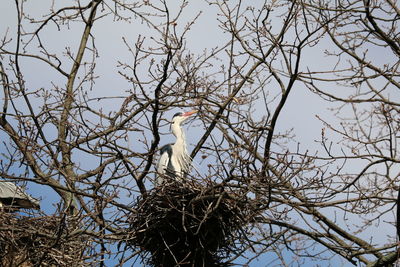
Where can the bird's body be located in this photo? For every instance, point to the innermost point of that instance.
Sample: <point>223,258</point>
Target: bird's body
<point>174,160</point>
<point>13,197</point>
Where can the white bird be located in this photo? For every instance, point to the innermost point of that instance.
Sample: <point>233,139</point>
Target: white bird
<point>174,160</point>
<point>13,197</point>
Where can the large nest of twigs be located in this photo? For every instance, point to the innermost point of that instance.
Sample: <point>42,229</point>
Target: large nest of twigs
<point>38,241</point>
<point>182,224</point>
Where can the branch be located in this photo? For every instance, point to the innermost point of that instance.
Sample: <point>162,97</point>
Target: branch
<point>154,120</point>
<point>69,98</point>
<point>386,261</point>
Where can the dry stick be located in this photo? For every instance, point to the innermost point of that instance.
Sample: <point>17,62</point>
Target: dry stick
<point>170,251</point>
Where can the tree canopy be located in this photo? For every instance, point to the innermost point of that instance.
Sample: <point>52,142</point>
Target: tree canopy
<point>297,124</point>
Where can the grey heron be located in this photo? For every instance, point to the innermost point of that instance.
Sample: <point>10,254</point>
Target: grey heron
<point>13,197</point>
<point>174,160</point>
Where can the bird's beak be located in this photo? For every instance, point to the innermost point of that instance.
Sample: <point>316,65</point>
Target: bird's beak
<point>189,113</point>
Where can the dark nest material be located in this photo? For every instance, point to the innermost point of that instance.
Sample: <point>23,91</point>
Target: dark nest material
<point>182,224</point>
<point>38,241</point>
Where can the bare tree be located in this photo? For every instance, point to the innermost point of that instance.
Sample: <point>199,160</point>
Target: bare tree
<point>301,202</point>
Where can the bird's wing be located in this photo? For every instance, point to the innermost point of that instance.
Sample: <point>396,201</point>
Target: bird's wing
<point>163,163</point>
<point>164,166</point>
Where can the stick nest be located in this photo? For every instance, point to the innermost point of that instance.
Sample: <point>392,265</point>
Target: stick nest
<point>38,241</point>
<point>182,224</point>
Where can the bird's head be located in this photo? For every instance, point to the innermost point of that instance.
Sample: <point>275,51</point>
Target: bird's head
<point>180,117</point>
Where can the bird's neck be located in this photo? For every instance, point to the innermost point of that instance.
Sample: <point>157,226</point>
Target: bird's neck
<point>179,134</point>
